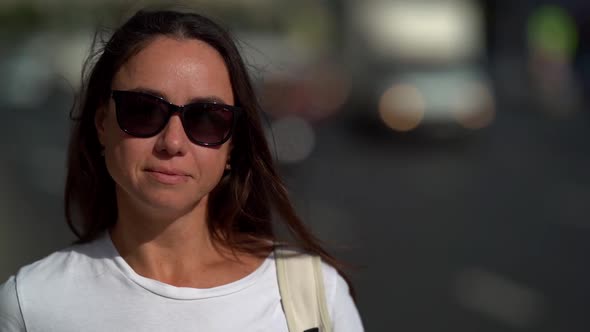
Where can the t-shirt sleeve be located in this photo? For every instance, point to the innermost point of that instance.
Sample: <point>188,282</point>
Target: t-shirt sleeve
<point>343,312</point>
<point>11,318</point>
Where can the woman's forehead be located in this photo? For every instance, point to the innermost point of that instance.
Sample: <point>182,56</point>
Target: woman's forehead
<point>179,69</point>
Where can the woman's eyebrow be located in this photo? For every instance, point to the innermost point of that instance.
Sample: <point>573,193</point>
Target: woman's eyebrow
<point>201,99</point>
<point>149,91</point>
<point>207,99</point>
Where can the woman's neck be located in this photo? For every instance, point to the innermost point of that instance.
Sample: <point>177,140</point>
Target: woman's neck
<point>165,247</point>
<point>178,250</point>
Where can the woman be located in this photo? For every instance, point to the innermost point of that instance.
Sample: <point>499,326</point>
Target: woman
<point>172,205</point>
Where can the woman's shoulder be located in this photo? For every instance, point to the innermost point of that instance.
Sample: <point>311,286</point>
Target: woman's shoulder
<point>67,262</point>
<point>43,280</point>
<point>10,313</point>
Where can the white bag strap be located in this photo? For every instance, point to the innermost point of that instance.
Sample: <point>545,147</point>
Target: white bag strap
<point>303,296</point>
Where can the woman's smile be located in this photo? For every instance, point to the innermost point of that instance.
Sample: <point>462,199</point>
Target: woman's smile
<point>167,176</point>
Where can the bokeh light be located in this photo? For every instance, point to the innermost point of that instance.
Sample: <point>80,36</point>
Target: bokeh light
<point>329,86</point>
<point>553,41</point>
<point>402,107</point>
<point>439,98</point>
<point>292,138</point>
<point>475,109</point>
<point>439,31</point>
<point>552,31</point>
<point>314,92</point>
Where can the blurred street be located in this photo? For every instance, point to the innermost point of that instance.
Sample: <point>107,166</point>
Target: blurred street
<point>439,147</point>
<point>504,209</point>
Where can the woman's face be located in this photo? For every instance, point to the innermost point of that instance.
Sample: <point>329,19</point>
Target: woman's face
<point>166,173</point>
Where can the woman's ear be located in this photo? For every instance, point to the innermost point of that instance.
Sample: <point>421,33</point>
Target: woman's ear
<point>228,160</point>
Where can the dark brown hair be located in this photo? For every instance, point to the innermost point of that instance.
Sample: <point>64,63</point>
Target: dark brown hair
<point>242,207</point>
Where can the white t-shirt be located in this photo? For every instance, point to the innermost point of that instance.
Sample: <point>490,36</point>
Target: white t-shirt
<point>90,287</point>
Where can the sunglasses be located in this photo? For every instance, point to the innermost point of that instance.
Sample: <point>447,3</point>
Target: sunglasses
<point>143,115</point>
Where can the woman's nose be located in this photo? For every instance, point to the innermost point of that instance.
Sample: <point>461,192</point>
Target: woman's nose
<point>173,139</point>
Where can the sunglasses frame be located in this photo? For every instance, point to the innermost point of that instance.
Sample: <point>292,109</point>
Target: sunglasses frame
<point>181,110</point>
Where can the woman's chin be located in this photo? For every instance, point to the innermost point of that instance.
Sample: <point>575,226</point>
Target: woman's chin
<point>165,206</point>
<point>161,203</point>
<point>172,207</point>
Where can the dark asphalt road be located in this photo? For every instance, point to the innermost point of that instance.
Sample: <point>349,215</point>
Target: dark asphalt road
<point>483,233</point>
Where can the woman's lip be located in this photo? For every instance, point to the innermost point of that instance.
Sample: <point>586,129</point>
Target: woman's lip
<point>168,171</point>
<point>167,178</point>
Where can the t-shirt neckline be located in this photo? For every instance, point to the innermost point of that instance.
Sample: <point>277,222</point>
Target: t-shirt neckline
<point>182,293</point>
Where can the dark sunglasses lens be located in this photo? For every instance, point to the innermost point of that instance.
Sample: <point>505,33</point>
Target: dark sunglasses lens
<point>209,123</point>
<point>140,115</point>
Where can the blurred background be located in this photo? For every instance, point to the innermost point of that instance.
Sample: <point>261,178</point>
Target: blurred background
<point>440,146</point>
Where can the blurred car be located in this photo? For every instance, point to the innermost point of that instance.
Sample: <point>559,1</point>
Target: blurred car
<point>422,64</point>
